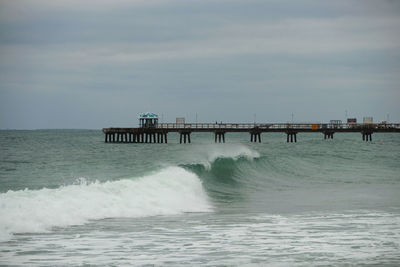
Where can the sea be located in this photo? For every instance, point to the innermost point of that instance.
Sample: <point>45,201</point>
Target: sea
<point>69,198</point>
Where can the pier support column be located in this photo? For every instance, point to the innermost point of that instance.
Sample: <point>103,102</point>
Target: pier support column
<point>292,136</point>
<point>220,135</point>
<point>328,135</point>
<point>106,138</point>
<point>184,134</point>
<point>254,134</point>
<point>367,136</point>
<point>254,137</point>
<point>165,137</point>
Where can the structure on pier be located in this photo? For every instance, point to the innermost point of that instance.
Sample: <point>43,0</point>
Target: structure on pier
<point>148,120</point>
<point>150,131</point>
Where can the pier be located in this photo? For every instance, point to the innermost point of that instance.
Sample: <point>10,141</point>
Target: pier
<point>158,132</point>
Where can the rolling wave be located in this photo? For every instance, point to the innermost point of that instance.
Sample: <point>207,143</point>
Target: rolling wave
<point>226,172</point>
<point>170,191</point>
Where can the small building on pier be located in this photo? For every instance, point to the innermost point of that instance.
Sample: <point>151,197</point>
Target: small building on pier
<point>148,120</point>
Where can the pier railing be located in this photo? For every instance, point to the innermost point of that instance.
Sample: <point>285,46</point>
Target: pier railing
<point>311,126</point>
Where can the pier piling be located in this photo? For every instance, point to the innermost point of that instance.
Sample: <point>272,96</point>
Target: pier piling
<point>367,136</point>
<point>292,136</point>
<point>220,135</point>
<point>328,134</point>
<point>254,134</point>
<point>184,134</point>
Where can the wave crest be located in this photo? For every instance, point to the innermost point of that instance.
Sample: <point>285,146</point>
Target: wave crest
<point>208,155</point>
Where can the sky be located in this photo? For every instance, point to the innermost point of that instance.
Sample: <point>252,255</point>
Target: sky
<point>94,64</point>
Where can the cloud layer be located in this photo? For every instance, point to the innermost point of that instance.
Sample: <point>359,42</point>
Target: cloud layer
<point>92,64</point>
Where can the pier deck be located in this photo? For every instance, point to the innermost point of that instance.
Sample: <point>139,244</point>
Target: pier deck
<point>158,134</point>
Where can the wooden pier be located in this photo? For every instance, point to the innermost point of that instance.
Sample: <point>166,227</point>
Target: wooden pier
<point>159,132</point>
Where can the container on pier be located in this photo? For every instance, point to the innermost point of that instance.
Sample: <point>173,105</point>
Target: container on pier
<point>368,120</point>
<point>351,122</point>
<point>180,122</point>
<point>335,124</point>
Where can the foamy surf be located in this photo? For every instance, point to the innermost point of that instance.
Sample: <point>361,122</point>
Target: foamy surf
<point>170,191</point>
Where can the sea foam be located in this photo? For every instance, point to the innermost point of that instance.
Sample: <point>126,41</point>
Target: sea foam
<point>171,191</point>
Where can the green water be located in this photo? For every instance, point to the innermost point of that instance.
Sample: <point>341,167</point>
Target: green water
<point>66,197</point>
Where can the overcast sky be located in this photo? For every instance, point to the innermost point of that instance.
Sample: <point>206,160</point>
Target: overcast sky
<point>94,64</point>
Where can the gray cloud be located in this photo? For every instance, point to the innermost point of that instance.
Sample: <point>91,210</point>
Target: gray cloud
<point>91,64</point>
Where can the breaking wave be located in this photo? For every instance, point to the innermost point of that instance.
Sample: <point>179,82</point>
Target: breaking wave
<point>173,190</point>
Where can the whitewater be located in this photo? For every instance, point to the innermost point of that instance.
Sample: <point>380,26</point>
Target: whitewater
<point>170,191</point>
<point>66,198</point>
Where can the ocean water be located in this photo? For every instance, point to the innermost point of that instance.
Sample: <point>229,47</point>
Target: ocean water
<point>68,198</point>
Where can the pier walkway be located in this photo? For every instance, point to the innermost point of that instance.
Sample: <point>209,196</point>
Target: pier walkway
<point>159,132</point>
